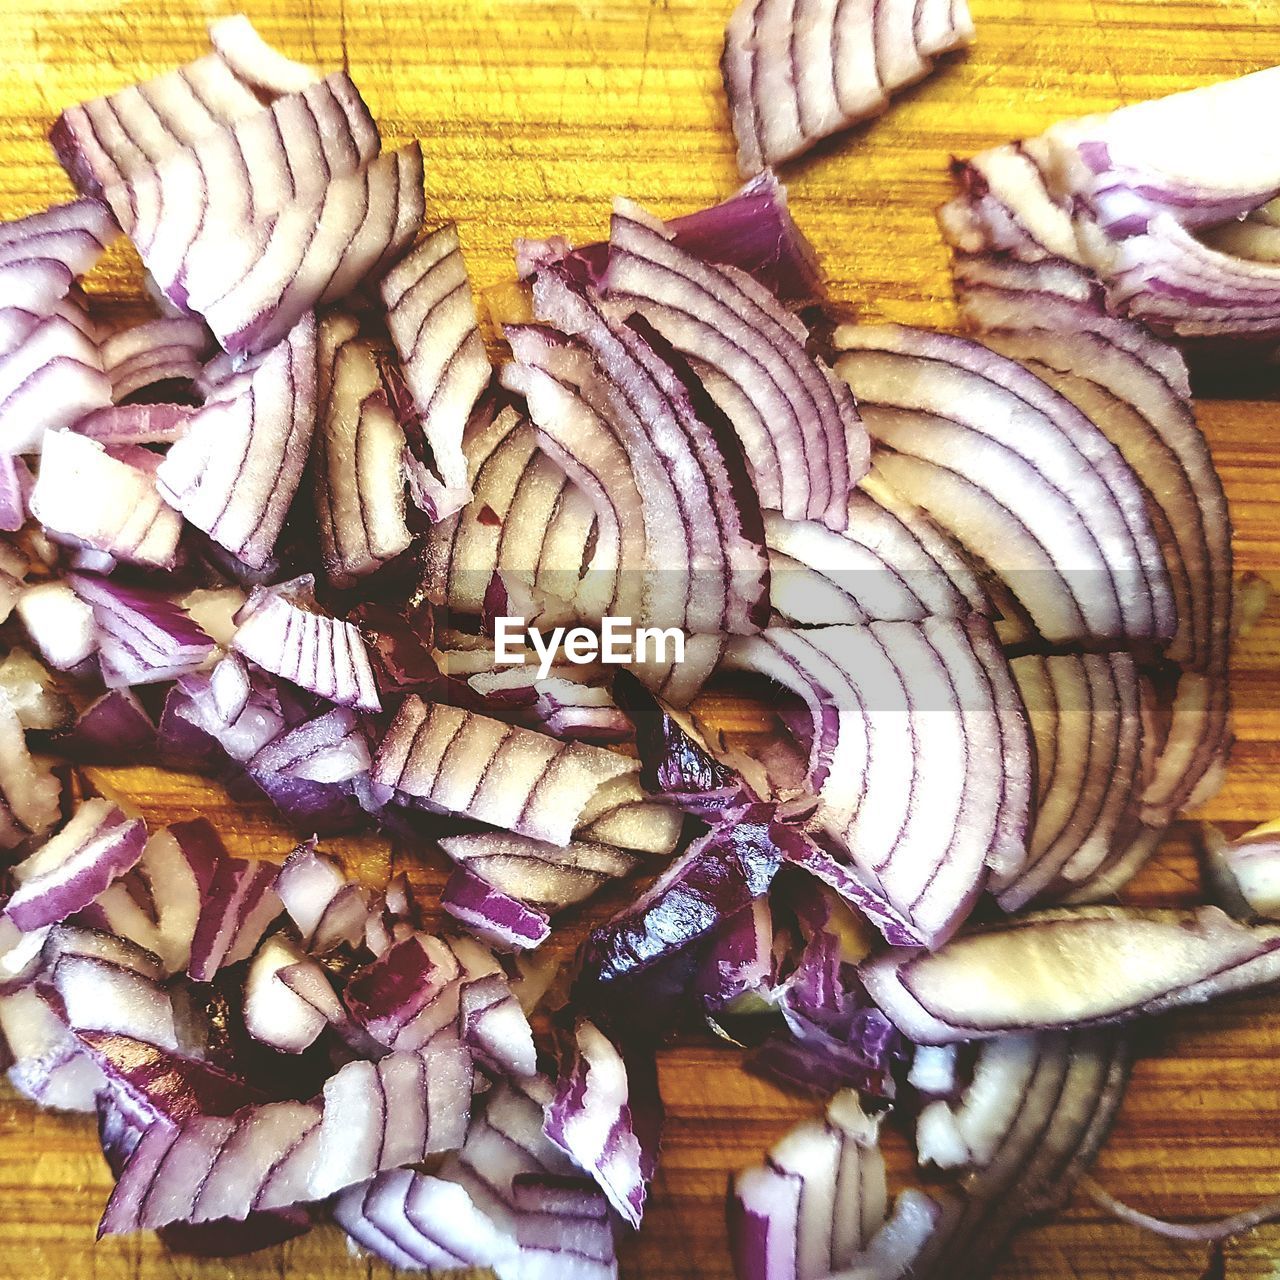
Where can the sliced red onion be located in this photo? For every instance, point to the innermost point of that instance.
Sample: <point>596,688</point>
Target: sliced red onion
<point>395,997</point>
<point>675,761</point>
<point>1135,389</point>
<point>244,174</point>
<point>112,729</point>
<point>16,482</point>
<point>751,356</point>
<point>1073,541</point>
<point>1005,207</point>
<point>546,876</point>
<point>814,1207</point>
<point>753,231</point>
<point>1087,725</point>
<point>569,701</point>
<point>797,73</point>
<point>143,636</point>
<point>498,774</point>
<point>51,380</point>
<point>622,814</point>
<point>877,696</point>
<point>1243,871</point>
<point>87,498</point>
<point>31,692</point>
<point>235,470</point>
<point>1067,1105</point>
<point>416,1221</point>
<point>105,984</point>
<point>236,910</point>
<point>273,1012</point>
<point>137,423</point>
<point>232,708</point>
<point>590,1117</point>
<point>432,320</point>
<point>49,1066</point>
<point>254,61</point>
<point>359,468</point>
<point>496,917</point>
<point>29,791</point>
<point>526,1185</point>
<point>253,284</point>
<point>371,1117</point>
<point>159,351</point>
<point>326,910</point>
<point>109,140</point>
<point>282,630</point>
<point>1192,754</point>
<point>72,869</point>
<point>157,906</point>
<point>889,564</point>
<point>1069,968</point>
<point>665,421</point>
<point>332,748</point>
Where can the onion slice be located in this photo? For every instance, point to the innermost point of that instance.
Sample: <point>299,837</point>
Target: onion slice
<point>1069,968</point>
<point>87,498</point>
<point>750,354</point>
<point>1071,536</point>
<point>50,380</point>
<point>72,869</point>
<point>370,1117</point>
<point>253,60</point>
<point>796,73</point>
<point>432,320</point>
<point>252,284</point>
<point>876,697</point>
<point>358,462</point>
<point>459,762</point>
<point>143,636</point>
<point>591,1118</point>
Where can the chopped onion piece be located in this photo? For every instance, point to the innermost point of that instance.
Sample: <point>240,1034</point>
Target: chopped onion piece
<point>72,869</point>
<point>282,630</point>
<point>253,60</point>
<point>496,773</point>
<point>235,470</point>
<point>1069,968</point>
<point>796,73</point>
<point>143,636</point>
<point>87,498</point>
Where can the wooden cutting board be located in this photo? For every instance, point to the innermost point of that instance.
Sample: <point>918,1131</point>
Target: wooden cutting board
<point>533,115</point>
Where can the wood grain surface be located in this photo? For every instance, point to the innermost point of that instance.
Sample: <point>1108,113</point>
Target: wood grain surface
<point>532,116</point>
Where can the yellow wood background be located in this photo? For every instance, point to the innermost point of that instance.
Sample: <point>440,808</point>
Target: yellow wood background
<point>533,115</point>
